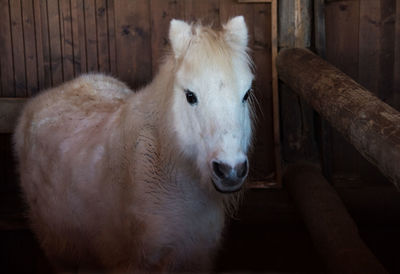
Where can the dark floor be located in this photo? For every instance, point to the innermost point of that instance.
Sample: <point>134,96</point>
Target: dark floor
<point>267,237</point>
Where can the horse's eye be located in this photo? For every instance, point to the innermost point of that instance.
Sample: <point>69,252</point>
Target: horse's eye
<point>191,97</point>
<point>246,96</point>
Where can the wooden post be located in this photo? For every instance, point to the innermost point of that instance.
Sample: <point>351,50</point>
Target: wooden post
<point>333,231</point>
<point>275,95</point>
<point>325,131</point>
<point>297,118</point>
<point>372,126</point>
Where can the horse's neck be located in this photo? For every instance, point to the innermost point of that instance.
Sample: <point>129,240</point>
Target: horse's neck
<point>153,104</point>
<point>148,109</point>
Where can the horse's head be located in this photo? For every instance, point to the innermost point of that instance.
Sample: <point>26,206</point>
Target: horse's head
<point>211,113</point>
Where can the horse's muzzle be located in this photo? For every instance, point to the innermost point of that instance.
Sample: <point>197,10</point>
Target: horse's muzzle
<point>228,179</point>
<point>224,187</point>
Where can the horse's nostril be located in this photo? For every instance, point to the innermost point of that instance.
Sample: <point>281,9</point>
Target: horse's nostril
<point>241,169</point>
<point>221,170</point>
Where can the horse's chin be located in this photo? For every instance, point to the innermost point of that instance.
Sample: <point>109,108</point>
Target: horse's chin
<point>221,188</point>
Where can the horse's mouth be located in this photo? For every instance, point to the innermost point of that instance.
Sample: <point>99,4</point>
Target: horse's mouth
<point>226,187</point>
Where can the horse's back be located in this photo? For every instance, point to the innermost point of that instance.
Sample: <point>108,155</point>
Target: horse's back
<point>68,107</point>
<point>60,142</point>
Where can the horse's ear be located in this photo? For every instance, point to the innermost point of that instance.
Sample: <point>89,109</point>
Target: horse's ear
<point>235,32</point>
<point>180,33</point>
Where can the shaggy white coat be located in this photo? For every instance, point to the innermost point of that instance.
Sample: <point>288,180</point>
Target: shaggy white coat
<point>120,180</point>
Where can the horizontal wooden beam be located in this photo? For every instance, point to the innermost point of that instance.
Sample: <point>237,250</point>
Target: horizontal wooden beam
<point>10,109</point>
<point>370,125</point>
<point>333,231</point>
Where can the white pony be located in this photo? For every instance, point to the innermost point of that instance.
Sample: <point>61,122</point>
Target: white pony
<point>125,181</point>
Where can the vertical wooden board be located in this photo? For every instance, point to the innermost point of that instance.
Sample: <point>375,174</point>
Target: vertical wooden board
<point>342,19</point>
<point>396,71</point>
<point>229,9</point>
<point>111,36</point>
<point>342,51</point>
<point>78,35</point>
<point>55,42</point>
<point>275,93</point>
<point>17,36</point>
<point>387,51</point>
<point>376,25</point>
<point>30,47</point>
<point>91,35</point>
<point>319,28</point>
<point>102,36</point>
<point>262,28</point>
<point>346,20</point>
<point>42,44</point>
<point>323,129</point>
<point>162,12</point>
<point>132,25</point>
<point>66,39</point>
<point>207,11</point>
<point>342,33</point>
<point>1,87</point>
<point>265,162</point>
<point>6,52</point>
<point>297,117</point>
<point>369,44</point>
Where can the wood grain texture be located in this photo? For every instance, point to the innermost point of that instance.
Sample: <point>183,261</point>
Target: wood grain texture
<point>342,32</point>
<point>79,36</point>
<point>132,26</point>
<point>91,35</point>
<point>102,36</point>
<point>56,58</point>
<point>323,129</point>
<point>28,20</point>
<point>387,50</point>
<point>275,93</point>
<point>369,44</point>
<point>18,48</point>
<point>319,27</point>
<point>355,44</point>
<point>262,88</point>
<point>66,40</point>
<point>111,37</point>
<point>42,44</point>
<point>162,12</point>
<point>297,118</point>
<point>377,36</point>
<point>6,51</point>
<point>207,11</point>
<point>368,123</point>
<point>295,23</point>
<point>396,71</point>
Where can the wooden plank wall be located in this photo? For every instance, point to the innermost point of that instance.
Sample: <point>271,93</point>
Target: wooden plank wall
<point>46,42</point>
<point>363,40</point>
